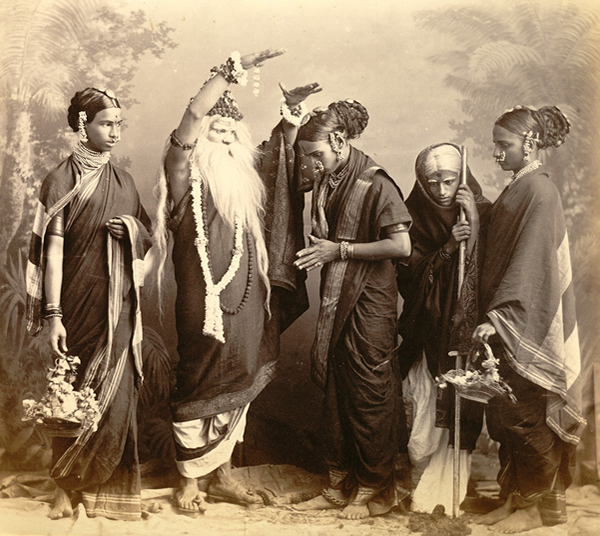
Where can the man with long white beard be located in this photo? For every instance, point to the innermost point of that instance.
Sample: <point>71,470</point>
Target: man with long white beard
<point>237,288</point>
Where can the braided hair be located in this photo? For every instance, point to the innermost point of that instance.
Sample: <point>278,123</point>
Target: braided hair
<point>548,123</point>
<point>91,101</point>
<point>347,116</point>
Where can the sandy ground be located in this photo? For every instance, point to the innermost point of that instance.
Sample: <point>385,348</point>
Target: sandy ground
<point>28,516</point>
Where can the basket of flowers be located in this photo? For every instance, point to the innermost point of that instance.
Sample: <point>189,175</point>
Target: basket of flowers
<point>478,385</point>
<point>63,411</point>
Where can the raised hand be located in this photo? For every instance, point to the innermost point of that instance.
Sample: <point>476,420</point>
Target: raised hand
<point>295,96</point>
<point>256,59</point>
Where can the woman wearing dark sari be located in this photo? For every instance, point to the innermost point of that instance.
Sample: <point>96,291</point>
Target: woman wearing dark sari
<point>529,319</point>
<point>359,226</point>
<point>429,324</point>
<point>84,276</point>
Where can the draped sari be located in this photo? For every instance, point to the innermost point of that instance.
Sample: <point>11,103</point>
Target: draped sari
<point>102,279</point>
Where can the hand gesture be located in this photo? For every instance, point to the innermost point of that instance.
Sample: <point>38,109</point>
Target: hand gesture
<point>256,59</point>
<point>116,228</point>
<point>57,336</point>
<point>295,96</point>
<point>318,253</point>
<point>465,199</point>
<point>484,331</point>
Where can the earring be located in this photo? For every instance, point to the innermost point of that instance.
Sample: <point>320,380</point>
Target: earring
<point>81,126</point>
<point>336,141</point>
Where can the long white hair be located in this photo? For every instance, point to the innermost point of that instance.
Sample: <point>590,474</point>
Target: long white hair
<point>236,188</point>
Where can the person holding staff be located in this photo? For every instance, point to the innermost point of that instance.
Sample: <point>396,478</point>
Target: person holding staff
<point>429,326</point>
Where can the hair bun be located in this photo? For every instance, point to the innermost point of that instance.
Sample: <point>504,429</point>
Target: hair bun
<point>555,124</point>
<point>353,115</point>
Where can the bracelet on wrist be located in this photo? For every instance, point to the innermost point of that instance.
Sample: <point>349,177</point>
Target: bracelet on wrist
<point>344,250</point>
<point>53,315</point>
<point>293,114</point>
<point>232,70</point>
<point>444,255</point>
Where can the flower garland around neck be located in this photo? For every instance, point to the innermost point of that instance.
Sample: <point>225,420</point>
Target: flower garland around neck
<point>523,171</point>
<point>213,316</point>
<point>90,159</point>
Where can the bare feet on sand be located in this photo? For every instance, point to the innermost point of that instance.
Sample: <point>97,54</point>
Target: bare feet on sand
<point>188,498</point>
<point>328,500</point>
<point>223,488</point>
<point>358,507</point>
<point>62,505</point>
<point>498,514</point>
<point>519,521</point>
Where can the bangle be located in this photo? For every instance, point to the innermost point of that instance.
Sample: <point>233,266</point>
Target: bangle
<point>53,315</point>
<point>444,255</point>
<point>350,251</point>
<point>293,114</point>
<point>344,250</point>
<point>52,306</point>
<point>176,142</point>
<point>232,70</point>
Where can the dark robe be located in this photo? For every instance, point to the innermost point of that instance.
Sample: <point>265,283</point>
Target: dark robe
<point>353,353</point>
<point>215,377</point>
<point>527,294</point>
<point>102,465</point>
<point>431,320</point>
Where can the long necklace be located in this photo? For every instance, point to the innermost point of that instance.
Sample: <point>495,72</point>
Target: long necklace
<point>523,171</point>
<point>213,316</point>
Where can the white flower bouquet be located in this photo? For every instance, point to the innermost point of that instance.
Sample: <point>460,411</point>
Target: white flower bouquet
<point>62,411</point>
<point>478,385</point>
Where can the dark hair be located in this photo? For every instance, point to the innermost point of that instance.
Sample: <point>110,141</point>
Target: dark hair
<point>549,122</point>
<point>349,117</point>
<point>91,101</point>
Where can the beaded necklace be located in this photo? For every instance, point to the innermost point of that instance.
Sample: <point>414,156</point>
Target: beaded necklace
<point>213,316</point>
<point>90,159</point>
<point>525,170</point>
<point>334,180</point>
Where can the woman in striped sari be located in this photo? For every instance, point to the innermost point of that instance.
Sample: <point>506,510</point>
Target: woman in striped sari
<point>89,240</point>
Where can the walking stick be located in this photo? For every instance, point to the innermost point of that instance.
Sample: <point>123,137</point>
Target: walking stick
<point>462,251</point>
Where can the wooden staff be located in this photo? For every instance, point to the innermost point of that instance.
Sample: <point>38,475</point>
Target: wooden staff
<point>462,252</point>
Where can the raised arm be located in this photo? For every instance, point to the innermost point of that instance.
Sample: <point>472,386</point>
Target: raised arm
<point>293,109</point>
<point>188,130</point>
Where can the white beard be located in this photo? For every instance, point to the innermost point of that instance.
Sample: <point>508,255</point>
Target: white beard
<point>235,186</point>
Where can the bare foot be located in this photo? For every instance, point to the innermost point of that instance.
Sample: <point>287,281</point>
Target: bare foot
<point>321,503</point>
<point>225,489</point>
<point>498,514</point>
<point>519,521</point>
<point>62,505</point>
<point>358,507</point>
<point>188,498</point>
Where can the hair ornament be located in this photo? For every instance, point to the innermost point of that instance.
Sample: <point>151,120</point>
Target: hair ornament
<point>336,140</point>
<point>81,126</point>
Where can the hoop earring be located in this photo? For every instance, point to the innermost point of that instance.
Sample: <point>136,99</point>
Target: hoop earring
<point>337,141</point>
<point>81,126</point>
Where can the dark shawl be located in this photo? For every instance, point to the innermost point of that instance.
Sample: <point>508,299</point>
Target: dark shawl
<point>527,294</point>
<point>428,284</point>
<point>352,213</point>
<point>432,321</point>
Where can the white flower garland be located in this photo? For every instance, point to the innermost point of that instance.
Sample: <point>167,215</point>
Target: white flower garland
<point>213,316</point>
